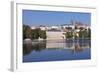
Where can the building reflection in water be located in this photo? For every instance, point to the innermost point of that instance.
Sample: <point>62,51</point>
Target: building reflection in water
<point>76,45</point>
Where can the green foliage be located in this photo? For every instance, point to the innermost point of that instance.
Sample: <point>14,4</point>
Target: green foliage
<point>26,32</point>
<point>89,33</point>
<point>36,33</point>
<point>85,33</point>
<point>33,33</point>
<point>69,34</point>
<point>42,34</point>
<point>80,34</point>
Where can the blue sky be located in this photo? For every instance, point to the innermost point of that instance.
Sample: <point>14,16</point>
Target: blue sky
<point>49,18</point>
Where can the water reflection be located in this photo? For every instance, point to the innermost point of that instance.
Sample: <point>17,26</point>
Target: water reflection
<point>77,45</point>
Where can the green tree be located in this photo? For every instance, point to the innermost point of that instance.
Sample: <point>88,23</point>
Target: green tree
<point>84,34</point>
<point>42,34</point>
<point>89,33</point>
<point>26,32</point>
<point>69,34</point>
<point>81,34</point>
<point>35,33</point>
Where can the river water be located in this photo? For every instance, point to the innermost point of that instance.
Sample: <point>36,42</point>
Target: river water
<point>57,50</point>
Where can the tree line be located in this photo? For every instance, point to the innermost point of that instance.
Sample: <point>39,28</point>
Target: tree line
<point>33,33</point>
<point>38,33</point>
<point>82,34</point>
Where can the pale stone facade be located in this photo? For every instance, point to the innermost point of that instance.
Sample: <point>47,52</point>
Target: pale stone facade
<point>55,35</point>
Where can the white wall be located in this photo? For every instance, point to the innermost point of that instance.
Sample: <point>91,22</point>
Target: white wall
<point>54,35</point>
<point>5,36</point>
